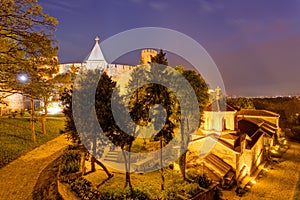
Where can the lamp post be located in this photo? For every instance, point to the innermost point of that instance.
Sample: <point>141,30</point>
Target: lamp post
<point>23,79</point>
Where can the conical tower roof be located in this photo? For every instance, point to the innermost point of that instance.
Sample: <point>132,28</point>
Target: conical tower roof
<point>96,53</point>
<point>95,59</point>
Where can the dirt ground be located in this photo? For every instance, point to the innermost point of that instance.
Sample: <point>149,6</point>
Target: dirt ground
<point>280,182</point>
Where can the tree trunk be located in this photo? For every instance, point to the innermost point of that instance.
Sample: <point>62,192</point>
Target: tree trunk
<point>128,172</point>
<point>82,163</point>
<point>103,167</point>
<point>32,120</point>
<point>182,163</point>
<point>127,168</point>
<point>44,116</point>
<point>182,158</point>
<point>93,165</point>
<point>93,160</point>
<point>161,166</point>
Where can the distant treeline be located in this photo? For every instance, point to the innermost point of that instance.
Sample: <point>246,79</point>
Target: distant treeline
<point>287,107</point>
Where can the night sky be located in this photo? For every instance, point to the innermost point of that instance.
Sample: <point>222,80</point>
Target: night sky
<point>255,43</point>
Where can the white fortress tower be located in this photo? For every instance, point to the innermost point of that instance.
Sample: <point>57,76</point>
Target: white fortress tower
<point>95,59</point>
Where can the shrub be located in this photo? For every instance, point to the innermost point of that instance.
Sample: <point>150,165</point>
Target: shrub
<point>135,194</point>
<point>218,193</point>
<point>83,189</point>
<point>240,191</point>
<point>192,174</point>
<point>109,195</point>
<point>70,162</point>
<point>70,167</point>
<point>14,114</point>
<point>203,181</point>
<point>191,190</point>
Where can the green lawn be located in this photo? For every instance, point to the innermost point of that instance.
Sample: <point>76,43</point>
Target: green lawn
<point>15,136</point>
<point>150,183</point>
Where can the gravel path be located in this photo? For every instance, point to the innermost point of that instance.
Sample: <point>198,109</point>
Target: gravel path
<point>279,182</point>
<point>18,178</point>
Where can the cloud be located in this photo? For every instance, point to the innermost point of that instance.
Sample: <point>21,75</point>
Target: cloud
<point>59,5</point>
<point>209,6</point>
<point>157,5</point>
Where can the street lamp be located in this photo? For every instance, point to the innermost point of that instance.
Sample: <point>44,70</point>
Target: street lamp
<point>23,78</point>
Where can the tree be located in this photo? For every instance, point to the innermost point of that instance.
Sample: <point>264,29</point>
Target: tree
<point>160,58</point>
<point>241,103</point>
<point>27,45</point>
<point>201,90</point>
<point>87,123</point>
<point>25,32</point>
<point>159,92</point>
<point>38,84</point>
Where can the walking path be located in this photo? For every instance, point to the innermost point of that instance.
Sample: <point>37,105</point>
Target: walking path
<point>279,182</point>
<point>18,178</point>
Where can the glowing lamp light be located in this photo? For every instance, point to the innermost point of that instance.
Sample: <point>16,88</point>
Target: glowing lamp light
<point>253,182</point>
<point>54,110</point>
<point>22,77</point>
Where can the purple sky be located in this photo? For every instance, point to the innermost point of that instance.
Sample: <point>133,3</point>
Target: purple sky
<point>255,43</point>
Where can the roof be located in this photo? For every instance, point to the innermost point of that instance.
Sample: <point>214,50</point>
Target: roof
<point>96,53</point>
<point>216,164</point>
<point>247,127</point>
<point>252,130</point>
<point>229,137</point>
<point>264,113</point>
<point>218,139</point>
<point>266,126</point>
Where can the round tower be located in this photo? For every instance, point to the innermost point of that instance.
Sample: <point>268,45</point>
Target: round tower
<point>146,55</point>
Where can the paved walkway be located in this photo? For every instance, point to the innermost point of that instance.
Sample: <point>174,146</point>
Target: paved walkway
<point>18,178</point>
<point>279,182</point>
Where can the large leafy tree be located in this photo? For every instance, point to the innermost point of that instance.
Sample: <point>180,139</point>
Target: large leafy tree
<point>25,32</point>
<point>160,94</point>
<point>122,138</point>
<point>27,45</point>
<point>151,94</point>
<point>86,122</point>
<point>201,90</point>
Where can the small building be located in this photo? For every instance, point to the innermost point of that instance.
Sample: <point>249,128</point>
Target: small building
<point>240,138</point>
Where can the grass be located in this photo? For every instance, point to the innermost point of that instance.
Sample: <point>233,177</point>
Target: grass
<point>15,136</point>
<point>147,182</point>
